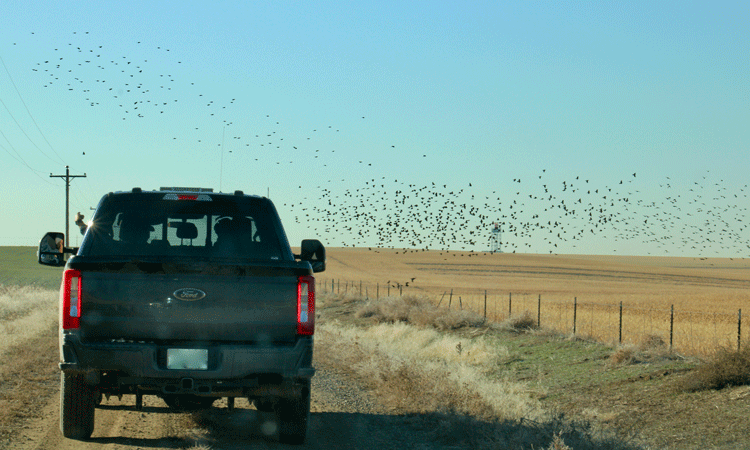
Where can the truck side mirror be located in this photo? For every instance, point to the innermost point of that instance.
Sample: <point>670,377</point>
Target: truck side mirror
<point>51,249</point>
<point>313,251</point>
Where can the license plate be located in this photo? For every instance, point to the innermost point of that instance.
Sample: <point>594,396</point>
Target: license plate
<point>187,358</point>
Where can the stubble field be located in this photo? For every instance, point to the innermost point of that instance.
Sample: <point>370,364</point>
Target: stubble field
<point>559,291</point>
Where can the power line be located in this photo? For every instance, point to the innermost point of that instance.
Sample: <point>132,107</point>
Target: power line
<point>18,158</point>
<point>82,196</point>
<point>29,113</point>
<point>29,137</point>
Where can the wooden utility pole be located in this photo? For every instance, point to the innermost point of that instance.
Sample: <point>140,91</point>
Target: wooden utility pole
<point>67,177</point>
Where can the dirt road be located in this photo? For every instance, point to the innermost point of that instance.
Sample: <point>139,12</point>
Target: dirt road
<point>337,421</point>
<point>343,415</point>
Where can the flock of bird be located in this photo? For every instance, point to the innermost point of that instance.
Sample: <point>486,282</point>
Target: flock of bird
<point>545,213</point>
<point>534,217</point>
<point>147,85</point>
<point>94,76</point>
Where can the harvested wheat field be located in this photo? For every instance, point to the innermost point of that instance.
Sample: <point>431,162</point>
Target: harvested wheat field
<point>563,291</point>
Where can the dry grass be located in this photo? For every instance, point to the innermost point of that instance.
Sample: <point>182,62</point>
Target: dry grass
<point>725,368</point>
<point>418,310</point>
<point>524,322</point>
<point>407,362</point>
<point>28,324</point>
<point>25,312</point>
<point>558,443</point>
<point>441,366</point>
<point>651,349</point>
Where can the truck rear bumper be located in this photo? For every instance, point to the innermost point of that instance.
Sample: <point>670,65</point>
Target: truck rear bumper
<point>223,361</point>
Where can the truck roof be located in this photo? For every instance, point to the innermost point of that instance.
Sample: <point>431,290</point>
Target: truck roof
<point>185,190</point>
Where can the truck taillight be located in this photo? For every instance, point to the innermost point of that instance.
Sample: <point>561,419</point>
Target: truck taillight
<point>306,305</point>
<point>70,300</point>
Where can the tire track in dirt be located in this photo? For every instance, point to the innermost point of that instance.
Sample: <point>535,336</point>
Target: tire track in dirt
<point>28,378</point>
<point>346,421</point>
<point>343,415</point>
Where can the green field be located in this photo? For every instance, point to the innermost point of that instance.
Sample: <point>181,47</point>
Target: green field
<point>20,268</point>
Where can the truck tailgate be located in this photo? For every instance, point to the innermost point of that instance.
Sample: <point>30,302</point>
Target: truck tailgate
<point>211,304</point>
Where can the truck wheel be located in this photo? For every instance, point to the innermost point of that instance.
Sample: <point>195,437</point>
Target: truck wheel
<point>292,416</point>
<point>77,405</point>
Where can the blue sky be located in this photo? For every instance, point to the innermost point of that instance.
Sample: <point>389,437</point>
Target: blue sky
<point>392,124</point>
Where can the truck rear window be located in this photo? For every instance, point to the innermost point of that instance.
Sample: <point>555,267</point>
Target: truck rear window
<point>149,225</point>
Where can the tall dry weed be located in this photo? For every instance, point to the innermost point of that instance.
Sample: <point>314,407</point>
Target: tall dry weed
<point>726,368</point>
<point>652,348</point>
<point>451,371</point>
<point>420,311</point>
<point>524,322</point>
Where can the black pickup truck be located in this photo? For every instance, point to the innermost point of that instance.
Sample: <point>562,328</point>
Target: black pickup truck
<point>188,295</point>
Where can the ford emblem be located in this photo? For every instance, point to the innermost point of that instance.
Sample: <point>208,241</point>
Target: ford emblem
<point>189,294</point>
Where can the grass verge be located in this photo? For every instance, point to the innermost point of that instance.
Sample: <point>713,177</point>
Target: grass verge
<point>642,394</point>
<point>430,362</point>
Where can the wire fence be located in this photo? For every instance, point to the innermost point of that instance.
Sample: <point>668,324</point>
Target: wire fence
<point>689,332</point>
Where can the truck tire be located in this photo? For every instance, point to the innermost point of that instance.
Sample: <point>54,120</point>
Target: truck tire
<point>292,416</point>
<point>77,406</point>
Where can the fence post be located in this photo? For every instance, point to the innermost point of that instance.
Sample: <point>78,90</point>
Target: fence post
<point>360,287</point>
<point>575,310</point>
<point>671,328</point>
<point>539,312</point>
<point>739,328</point>
<point>485,304</point>
<point>620,322</point>
<point>450,299</point>
<point>460,304</point>
<point>377,291</point>
<point>510,304</point>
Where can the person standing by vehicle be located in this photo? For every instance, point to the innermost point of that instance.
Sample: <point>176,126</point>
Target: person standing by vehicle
<point>81,224</point>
